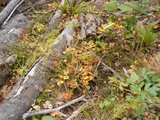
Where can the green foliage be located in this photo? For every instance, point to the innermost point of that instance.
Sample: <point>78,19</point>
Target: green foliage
<point>144,84</point>
<point>105,103</point>
<point>140,87</point>
<point>131,7</point>
<point>110,6</point>
<point>129,23</point>
<point>47,118</point>
<point>72,7</point>
<point>125,8</point>
<point>146,35</point>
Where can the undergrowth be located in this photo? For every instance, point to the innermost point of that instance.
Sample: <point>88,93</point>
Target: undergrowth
<point>85,67</point>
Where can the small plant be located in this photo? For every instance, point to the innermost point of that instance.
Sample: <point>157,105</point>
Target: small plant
<point>146,35</point>
<point>77,68</point>
<point>72,7</point>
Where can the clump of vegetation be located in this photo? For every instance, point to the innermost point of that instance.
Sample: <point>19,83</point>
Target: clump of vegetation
<point>72,7</point>
<point>146,35</point>
<point>76,68</point>
<point>143,90</point>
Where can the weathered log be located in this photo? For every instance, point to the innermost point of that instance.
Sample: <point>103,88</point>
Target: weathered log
<point>56,18</point>
<point>4,66</point>
<point>11,32</point>
<point>90,26</point>
<point>8,9</point>
<point>20,99</point>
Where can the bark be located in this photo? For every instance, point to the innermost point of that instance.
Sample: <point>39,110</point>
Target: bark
<point>90,26</point>
<point>5,67</point>
<point>20,99</point>
<point>7,10</point>
<point>56,18</point>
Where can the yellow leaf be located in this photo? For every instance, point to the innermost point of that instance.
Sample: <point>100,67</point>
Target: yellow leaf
<point>65,72</point>
<point>66,77</point>
<point>39,27</point>
<point>53,114</point>
<point>133,66</point>
<point>84,91</point>
<point>108,26</point>
<point>156,26</point>
<point>84,77</point>
<point>64,52</point>
<point>136,62</point>
<point>84,42</point>
<point>78,51</point>
<point>101,29</point>
<point>19,71</point>
<point>60,83</point>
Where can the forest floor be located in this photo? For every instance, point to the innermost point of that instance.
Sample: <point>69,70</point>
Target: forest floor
<point>116,67</point>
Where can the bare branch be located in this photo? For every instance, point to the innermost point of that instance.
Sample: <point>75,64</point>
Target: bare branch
<point>39,112</point>
<point>111,69</point>
<point>100,61</point>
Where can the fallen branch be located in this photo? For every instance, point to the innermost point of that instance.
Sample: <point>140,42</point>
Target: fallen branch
<point>12,12</point>
<point>95,71</point>
<point>111,69</point>
<point>57,17</point>
<point>83,27</point>
<point>8,9</point>
<point>5,69</point>
<point>39,112</point>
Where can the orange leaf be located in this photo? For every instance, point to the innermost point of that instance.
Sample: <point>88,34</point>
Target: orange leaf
<point>49,5</point>
<point>55,63</point>
<point>66,95</point>
<point>72,83</point>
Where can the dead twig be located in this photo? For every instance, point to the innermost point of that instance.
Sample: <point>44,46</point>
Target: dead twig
<point>100,61</point>
<point>157,105</point>
<point>76,112</point>
<point>111,69</point>
<point>125,72</point>
<point>39,112</point>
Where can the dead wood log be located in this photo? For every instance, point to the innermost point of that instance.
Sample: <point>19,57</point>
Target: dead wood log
<point>4,66</point>
<point>90,26</point>
<point>8,9</point>
<point>56,18</point>
<point>28,88</point>
<point>10,33</point>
